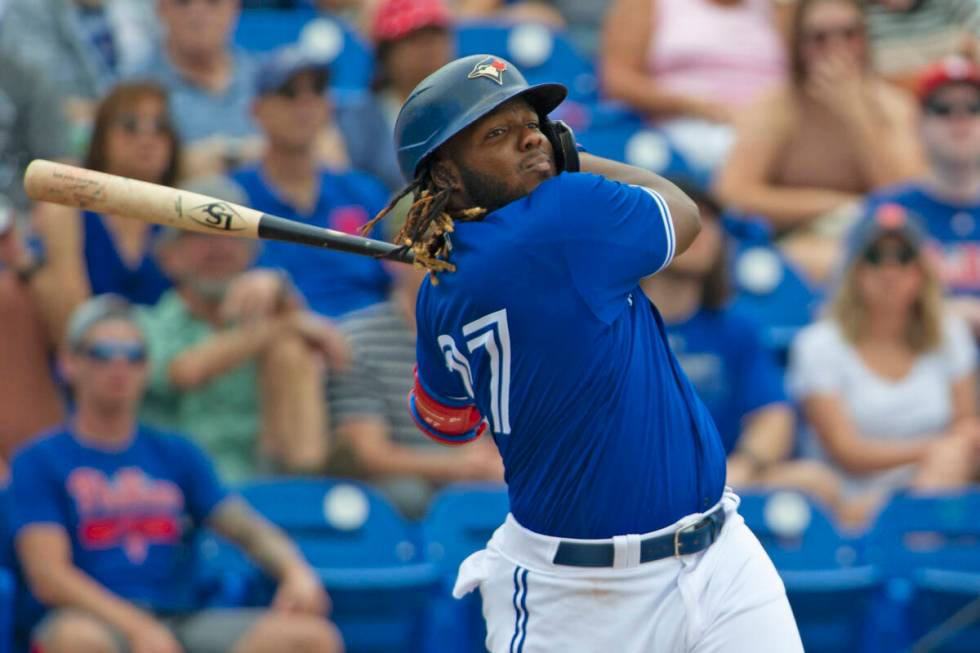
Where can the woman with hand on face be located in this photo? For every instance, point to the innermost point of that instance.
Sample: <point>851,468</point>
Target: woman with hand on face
<point>806,152</point>
<point>887,381</point>
<point>88,253</point>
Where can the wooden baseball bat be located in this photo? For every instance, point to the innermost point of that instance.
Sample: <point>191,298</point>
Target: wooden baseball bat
<point>47,181</point>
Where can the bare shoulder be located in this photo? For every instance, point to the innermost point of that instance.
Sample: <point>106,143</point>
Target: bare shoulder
<point>775,112</point>
<point>893,99</point>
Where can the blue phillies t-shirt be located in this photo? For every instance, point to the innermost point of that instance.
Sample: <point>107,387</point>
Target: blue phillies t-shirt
<point>130,514</point>
<point>334,283</point>
<point>545,329</point>
<point>955,229</point>
<point>734,374</point>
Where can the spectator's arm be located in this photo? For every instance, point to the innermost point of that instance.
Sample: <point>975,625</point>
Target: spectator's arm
<point>299,588</point>
<point>625,43</point>
<point>744,181</point>
<point>44,551</point>
<point>62,282</point>
<point>370,442</point>
<point>848,447</point>
<point>886,137</point>
<point>766,439</point>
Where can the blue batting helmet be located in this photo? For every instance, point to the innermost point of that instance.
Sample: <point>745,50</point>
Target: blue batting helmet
<point>456,96</point>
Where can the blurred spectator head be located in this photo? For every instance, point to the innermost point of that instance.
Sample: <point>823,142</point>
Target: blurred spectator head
<point>706,258</point>
<point>412,40</point>
<point>886,273</point>
<point>950,95</point>
<point>827,28</point>
<point>133,135</point>
<point>105,354</point>
<point>291,105</point>
<point>198,28</point>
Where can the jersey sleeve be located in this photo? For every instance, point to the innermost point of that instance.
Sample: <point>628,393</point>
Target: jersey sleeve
<point>36,492</point>
<point>442,371</point>
<point>613,235</point>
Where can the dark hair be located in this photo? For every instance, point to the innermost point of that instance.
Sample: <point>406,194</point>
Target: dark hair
<point>716,285</point>
<point>797,65</point>
<point>124,97</point>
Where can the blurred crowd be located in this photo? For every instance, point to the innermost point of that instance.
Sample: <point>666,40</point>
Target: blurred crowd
<point>843,135</point>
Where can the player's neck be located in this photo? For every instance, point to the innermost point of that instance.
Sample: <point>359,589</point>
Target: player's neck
<point>677,297</point>
<point>958,183</point>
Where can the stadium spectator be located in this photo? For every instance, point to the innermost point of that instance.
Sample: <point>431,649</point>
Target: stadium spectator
<point>738,379</point>
<point>87,253</point>
<point>289,181</point>
<point>808,151</point>
<point>247,387</point>
<point>907,36</point>
<point>947,197</point>
<point>368,413</point>
<point>32,123</point>
<point>81,46</point>
<point>685,64</point>
<point>104,513</point>
<point>527,11</point>
<point>888,380</point>
<point>30,400</point>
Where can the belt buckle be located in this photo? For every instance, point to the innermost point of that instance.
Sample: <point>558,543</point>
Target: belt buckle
<point>679,532</point>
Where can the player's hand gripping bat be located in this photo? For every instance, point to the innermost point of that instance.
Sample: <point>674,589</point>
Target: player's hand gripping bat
<point>47,181</point>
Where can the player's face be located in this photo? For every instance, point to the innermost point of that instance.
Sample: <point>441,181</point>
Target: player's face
<point>701,257</point>
<point>890,275</point>
<point>108,372</point>
<point>502,157</point>
<point>832,29</point>
<point>138,141</point>
<point>951,125</point>
<point>198,26</point>
<point>291,117</point>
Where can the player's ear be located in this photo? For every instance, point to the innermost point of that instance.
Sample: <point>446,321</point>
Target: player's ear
<point>445,173</point>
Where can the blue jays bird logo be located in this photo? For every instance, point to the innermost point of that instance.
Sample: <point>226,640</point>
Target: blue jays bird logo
<point>491,67</point>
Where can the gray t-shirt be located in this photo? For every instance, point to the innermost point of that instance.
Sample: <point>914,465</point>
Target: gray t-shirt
<point>32,123</point>
<point>822,361</point>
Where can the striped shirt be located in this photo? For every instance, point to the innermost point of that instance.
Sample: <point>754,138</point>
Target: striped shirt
<point>377,384</point>
<point>904,42</point>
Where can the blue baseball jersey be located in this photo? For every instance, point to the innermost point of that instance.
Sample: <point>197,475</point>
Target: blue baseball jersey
<point>733,372</point>
<point>130,513</point>
<point>545,329</point>
<point>334,283</point>
<point>954,228</point>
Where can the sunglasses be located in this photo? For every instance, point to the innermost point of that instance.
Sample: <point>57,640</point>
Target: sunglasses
<point>821,37</point>
<point>132,124</point>
<point>294,88</point>
<point>876,255</point>
<point>107,350</point>
<point>946,109</point>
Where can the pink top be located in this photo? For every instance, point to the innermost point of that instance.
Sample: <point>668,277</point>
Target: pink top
<point>724,53</point>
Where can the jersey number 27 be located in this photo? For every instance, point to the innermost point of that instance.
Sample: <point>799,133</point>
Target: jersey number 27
<point>490,333</point>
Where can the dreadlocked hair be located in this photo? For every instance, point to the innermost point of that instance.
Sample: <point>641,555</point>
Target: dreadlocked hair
<point>428,222</point>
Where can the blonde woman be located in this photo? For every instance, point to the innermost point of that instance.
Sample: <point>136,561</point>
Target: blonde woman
<point>887,381</point>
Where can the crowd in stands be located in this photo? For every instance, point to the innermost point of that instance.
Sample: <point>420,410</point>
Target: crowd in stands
<point>846,132</point>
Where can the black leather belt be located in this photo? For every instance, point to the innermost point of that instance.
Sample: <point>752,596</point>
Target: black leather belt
<point>685,540</point>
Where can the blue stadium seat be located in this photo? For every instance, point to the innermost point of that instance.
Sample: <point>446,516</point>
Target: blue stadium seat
<point>829,588</point>
<point>543,55</point>
<point>351,59</point>
<point>929,547</point>
<point>461,520</point>
<point>365,553</point>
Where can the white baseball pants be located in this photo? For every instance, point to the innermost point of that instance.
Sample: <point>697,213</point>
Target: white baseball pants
<point>725,599</point>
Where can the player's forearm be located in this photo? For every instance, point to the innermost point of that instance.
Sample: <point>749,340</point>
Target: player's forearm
<point>262,541</point>
<point>222,352</point>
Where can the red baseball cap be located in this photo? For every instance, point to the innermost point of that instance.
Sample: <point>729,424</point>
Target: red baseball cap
<point>397,18</point>
<point>950,70</point>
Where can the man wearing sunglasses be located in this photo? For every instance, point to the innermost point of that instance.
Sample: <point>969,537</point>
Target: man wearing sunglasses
<point>947,197</point>
<point>105,510</point>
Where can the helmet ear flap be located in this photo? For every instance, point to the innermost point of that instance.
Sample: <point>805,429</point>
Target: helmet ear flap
<point>562,142</point>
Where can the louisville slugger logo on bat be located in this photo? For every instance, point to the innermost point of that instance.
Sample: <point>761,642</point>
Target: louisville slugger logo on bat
<point>217,215</point>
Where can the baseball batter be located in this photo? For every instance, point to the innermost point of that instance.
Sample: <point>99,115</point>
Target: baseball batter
<point>532,326</point>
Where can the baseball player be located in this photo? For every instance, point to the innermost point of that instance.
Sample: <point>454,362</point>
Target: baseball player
<point>532,326</point>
